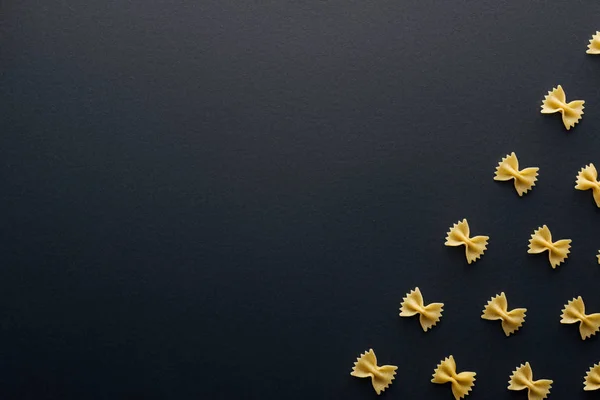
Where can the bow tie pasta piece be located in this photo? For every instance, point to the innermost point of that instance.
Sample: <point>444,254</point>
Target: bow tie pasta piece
<point>574,312</point>
<point>522,378</point>
<point>462,383</point>
<point>459,236</point>
<point>556,101</point>
<point>413,304</point>
<point>497,308</point>
<point>366,367</point>
<point>508,169</point>
<point>598,257</point>
<point>594,46</point>
<point>541,240</point>
<point>587,179</point>
<point>592,378</point>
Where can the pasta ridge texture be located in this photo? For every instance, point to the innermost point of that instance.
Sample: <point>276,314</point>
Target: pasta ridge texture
<point>587,179</point>
<point>556,101</point>
<point>508,169</point>
<point>574,312</point>
<point>497,308</point>
<point>594,46</point>
<point>462,383</point>
<point>541,240</point>
<point>592,378</point>
<point>459,236</point>
<point>366,367</point>
<point>413,304</point>
<point>522,378</point>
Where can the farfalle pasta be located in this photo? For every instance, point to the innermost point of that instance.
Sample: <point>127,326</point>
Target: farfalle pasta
<point>592,378</point>
<point>508,169</point>
<point>366,367</point>
<point>587,179</point>
<point>574,312</point>
<point>598,256</point>
<point>462,383</point>
<point>522,378</point>
<point>541,240</point>
<point>497,309</point>
<point>413,304</point>
<point>556,101</point>
<point>594,46</point>
<point>459,236</point>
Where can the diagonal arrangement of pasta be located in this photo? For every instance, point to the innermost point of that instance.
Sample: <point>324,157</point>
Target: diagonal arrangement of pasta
<point>556,101</point>
<point>508,169</point>
<point>522,378</point>
<point>497,308</point>
<point>459,236</point>
<point>462,383</point>
<point>594,46</point>
<point>366,367</point>
<point>591,381</point>
<point>574,312</point>
<point>541,240</point>
<point>413,304</point>
<point>587,179</point>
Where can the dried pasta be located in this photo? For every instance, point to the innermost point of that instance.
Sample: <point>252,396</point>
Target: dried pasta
<point>413,304</point>
<point>522,378</point>
<point>462,383</point>
<point>366,367</point>
<point>592,378</point>
<point>598,257</point>
<point>497,308</point>
<point>555,101</point>
<point>541,240</point>
<point>574,312</point>
<point>508,169</point>
<point>587,179</point>
<point>594,46</point>
<point>459,236</point>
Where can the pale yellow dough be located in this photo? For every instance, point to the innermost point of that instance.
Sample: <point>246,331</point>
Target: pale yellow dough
<point>592,378</point>
<point>594,46</point>
<point>508,169</point>
<point>541,240</point>
<point>497,308</point>
<point>587,179</point>
<point>574,312</point>
<point>459,236</point>
<point>522,378</point>
<point>556,101</point>
<point>366,367</point>
<point>598,257</point>
<point>413,304</point>
<point>462,383</point>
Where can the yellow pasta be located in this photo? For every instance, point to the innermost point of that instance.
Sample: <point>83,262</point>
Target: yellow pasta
<point>574,312</point>
<point>592,378</point>
<point>462,383</point>
<point>541,240</point>
<point>459,236</point>
<point>555,101</point>
<point>587,179</point>
<point>598,257</point>
<point>594,46</point>
<point>508,169</point>
<point>366,367</point>
<point>413,304</point>
<point>522,378</point>
<point>497,308</point>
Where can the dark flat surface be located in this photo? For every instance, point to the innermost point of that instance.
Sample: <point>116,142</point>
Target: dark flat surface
<point>228,200</point>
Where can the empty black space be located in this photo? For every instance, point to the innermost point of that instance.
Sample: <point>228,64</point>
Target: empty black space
<point>226,199</point>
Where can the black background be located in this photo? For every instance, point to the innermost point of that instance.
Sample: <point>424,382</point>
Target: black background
<point>229,199</point>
